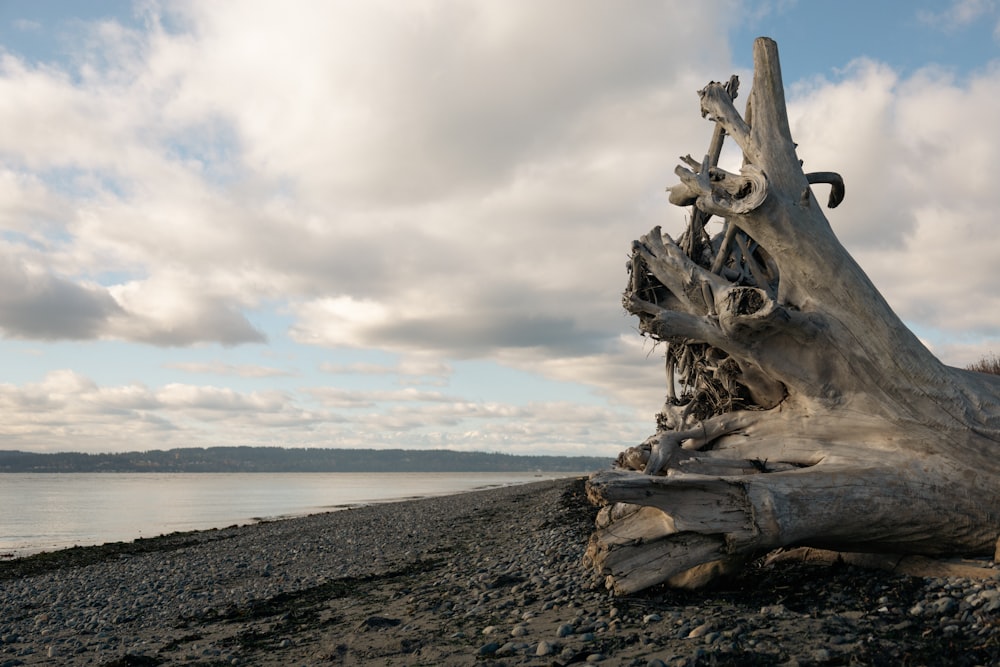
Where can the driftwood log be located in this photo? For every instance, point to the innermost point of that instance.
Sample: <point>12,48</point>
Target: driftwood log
<point>800,410</point>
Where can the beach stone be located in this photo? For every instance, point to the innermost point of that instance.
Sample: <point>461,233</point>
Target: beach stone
<point>943,606</point>
<point>991,595</point>
<point>508,648</point>
<point>700,631</point>
<point>544,648</point>
<point>821,655</point>
<point>651,618</point>
<point>489,649</point>
<point>565,630</point>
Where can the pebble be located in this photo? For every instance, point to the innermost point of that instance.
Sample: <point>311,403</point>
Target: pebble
<point>942,606</point>
<point>544,648</point>
<point>489,649</point>
<point>700,631</point>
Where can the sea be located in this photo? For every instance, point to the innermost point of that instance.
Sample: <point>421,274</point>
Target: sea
<point>49,511</point>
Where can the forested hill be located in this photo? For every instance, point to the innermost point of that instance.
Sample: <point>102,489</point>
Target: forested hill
<point>279,459</point>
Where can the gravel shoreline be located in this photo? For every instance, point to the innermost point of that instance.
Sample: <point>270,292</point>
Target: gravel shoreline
<point>489,577</point>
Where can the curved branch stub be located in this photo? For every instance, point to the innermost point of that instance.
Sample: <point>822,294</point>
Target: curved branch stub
<point>720,192</point>
<point>833,179</point>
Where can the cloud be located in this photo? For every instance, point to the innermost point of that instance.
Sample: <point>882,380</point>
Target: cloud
<point>224,369</point>
<point>25,25</point>
<point>628,373</point>
<point>333,397</point>
<point>963,353</point>
<point>38,305</point>
<point>839,127</point>
<point>69,407</point>
<point>378,102</point>
<point>425,369</point>
<point>222,400</point>
<point>919,209</point>
<point>959,14</point>
<point>439,181</point>
<point>173,312</point>
<point>28,210</point>
<point>52,123</point>
<point>548,427</point>
<point>455,165</point>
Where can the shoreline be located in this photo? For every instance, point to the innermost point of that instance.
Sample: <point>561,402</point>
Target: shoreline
<point>28,531</point>
<point>484,577</point>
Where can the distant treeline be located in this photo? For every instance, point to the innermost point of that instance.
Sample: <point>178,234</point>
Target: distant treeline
<point>280,459</point>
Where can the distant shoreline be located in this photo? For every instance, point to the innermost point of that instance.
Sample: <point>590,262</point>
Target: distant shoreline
<point>288,460</point>
<point>536,471</point>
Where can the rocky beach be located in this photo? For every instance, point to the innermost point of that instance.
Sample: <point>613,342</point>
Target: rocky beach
<point>490,577</point>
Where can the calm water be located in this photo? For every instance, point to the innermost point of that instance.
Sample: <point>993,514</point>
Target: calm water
<point>46,511</point>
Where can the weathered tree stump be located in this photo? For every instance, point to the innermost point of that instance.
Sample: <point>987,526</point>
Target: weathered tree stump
<point>800,410</point>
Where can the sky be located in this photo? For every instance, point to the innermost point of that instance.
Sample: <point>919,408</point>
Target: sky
<point>405,224</point>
